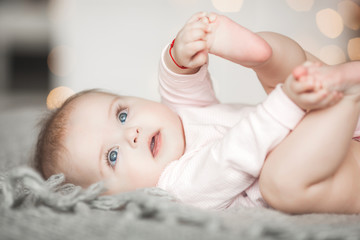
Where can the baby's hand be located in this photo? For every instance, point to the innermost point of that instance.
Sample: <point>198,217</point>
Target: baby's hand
<point>309,94</point>
<point>190,47</point>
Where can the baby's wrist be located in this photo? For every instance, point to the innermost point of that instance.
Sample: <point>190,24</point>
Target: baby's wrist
<point>174,66</point>
<point>292,96</point>
<point>172,58</point>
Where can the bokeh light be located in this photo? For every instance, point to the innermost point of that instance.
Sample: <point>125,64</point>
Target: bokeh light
<point>308,42</point>
<point>354,49</point>
<point>300,5</point>
<point>62,60</point>
<point>58,96</point>
<point>332,54</point>
<point>227,5</point>
<point>350,13</point>
<point>329,23</point>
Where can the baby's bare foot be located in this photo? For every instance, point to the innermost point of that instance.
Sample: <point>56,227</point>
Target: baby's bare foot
<point>343,77</point>
<point>301,73</point>
<point>231,41</point>
<point>304,91</point>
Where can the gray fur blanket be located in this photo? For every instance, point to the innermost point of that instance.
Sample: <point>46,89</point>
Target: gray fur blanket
<point>32,208</point>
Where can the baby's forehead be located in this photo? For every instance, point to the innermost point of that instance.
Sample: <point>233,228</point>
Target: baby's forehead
<point>96,94</point>
<point>92,96</point>
<point>89,100</point>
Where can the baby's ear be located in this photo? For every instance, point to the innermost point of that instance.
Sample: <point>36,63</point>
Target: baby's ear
<point>58,96</point>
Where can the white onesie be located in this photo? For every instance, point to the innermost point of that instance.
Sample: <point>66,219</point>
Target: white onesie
<point>226,145</point>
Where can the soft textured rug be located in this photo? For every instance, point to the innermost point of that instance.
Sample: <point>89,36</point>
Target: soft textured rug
<point>32,208</point>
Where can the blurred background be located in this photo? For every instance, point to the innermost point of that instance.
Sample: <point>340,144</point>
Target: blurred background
<point>72,45</point>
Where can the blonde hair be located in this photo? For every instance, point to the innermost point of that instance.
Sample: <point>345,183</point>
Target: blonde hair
<point>50,148</point>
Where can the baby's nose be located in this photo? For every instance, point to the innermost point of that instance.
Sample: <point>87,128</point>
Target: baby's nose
<point>132,136</point>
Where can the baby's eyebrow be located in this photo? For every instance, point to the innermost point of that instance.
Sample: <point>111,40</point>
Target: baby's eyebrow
<point>112,105</point>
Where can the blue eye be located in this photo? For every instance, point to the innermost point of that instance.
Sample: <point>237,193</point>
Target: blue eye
<point>112,157</point>
<point>122,116</point>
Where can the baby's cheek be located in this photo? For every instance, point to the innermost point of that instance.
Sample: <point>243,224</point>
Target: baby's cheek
<point>143,175</point>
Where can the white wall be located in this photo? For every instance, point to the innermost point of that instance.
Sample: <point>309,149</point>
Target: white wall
<point>116,44</point>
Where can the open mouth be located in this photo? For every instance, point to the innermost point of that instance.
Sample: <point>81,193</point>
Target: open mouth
<point>155,144</point>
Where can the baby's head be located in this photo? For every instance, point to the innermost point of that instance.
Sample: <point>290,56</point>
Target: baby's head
<point>126,142</point>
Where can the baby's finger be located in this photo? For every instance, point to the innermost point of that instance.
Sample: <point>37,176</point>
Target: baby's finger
<point>334,97</point>
<point>202,24</point>
<point>302,86</point>
<point>204,20</point>
<point>198,59</point>
<point>194,47</point>
<point>331,99</point>
<point>196,17</point>
<point>314,98</point>
<point>211,16</point>
<point>194,35</point>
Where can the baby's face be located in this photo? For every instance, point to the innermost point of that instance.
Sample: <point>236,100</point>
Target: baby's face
<point>124,141</point>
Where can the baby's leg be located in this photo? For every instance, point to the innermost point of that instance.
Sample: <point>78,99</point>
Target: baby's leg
<point>316,168</point>
<point>272,56</point>
<point>286,55</point>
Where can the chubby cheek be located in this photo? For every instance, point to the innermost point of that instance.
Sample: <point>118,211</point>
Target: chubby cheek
<point>129,177</point>
<point>142,173</point>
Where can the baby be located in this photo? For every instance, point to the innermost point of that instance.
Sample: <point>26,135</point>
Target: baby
<point>207,154</point>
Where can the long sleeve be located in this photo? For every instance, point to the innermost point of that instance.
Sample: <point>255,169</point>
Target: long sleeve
<point>178,90</point>
<point>254,136</point>
<point>225,161</point>
<point>226,146</point>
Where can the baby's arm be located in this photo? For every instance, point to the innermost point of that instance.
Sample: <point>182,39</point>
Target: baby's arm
<point>218,172</point>
<point>189,49</point>
<point>191,84</point>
